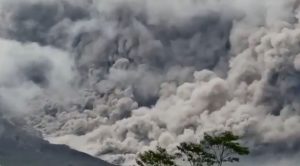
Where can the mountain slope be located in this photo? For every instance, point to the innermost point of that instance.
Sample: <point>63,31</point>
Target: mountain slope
<point>20,148</point>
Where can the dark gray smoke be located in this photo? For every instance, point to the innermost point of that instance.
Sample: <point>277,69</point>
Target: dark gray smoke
<point>113,77</point>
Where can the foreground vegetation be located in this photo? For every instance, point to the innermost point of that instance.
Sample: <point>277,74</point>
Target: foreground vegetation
<point>213,150</point>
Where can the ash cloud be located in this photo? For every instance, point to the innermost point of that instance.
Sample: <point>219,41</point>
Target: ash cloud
<point>111,78</point>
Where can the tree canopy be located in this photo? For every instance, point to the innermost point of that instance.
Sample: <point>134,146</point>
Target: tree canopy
<point>213,150</point>
<point>160,157</point>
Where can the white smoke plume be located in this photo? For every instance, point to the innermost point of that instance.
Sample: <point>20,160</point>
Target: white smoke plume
<point>115,77</point>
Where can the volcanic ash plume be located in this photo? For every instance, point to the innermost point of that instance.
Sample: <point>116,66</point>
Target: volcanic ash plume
<point>114,77</point>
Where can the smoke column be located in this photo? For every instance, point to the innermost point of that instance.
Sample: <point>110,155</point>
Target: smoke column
<point>114,77</point>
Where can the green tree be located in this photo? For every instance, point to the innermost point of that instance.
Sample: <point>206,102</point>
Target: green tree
<point>224,147</point>
<point>195,154</point>
<point>212,150</point>
<point>160,157</point>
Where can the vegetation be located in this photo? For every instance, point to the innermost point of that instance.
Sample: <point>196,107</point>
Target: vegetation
<point>194,154</point>
<point>224,147</point>
<point>160,157</point>
<point>213,150</point>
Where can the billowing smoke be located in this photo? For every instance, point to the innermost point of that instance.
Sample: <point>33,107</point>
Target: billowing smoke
<point>114,77</point>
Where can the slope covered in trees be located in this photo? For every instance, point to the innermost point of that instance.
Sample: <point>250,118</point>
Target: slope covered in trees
<point>20,148</point>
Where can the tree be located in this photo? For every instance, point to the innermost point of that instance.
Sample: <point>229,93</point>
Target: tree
<point>224,147</point>
<point>160,157</point>
<point>212,150</point>
<point>195,154</point>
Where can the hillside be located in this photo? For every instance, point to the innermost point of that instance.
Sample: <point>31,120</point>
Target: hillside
<point>19,148</point>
